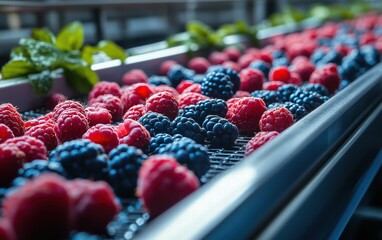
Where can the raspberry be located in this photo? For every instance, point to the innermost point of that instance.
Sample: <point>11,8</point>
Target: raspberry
<point>285,91</point>
<point>38,121</point>
<point>155,123</point>
<point>103,88</point>
<point>132,133</point>
<point>66,105</point>
<point>251,80</point>
<point>183,85</point>
<point>327,76</point>
<point>158,141</point>
<point>220,132</point>
<point>304,68</point>
<point>297,111</point>
<point>130,98</point>
<point>199,65</point>
<point>187,99</point>
<point>124,164</point>
<point>217,85</point>
<point>232,53</point>
<point>241,94</point>
<point>309,100</point>
<point>272,86</point>
<point>11,160</point>
<point>187,127</point>
<point>295,79</point>
<point>178,73</point>
<point>38,167</point>
<point>276,119</point>
<point>134,76</point>
<point>112,103</point>
<point>194,88</point>
<point>70,125</point>
<point>166,66</point>
<point>318,88</point>
<point>45,133</point>
<point>81,158</point>
<point>94,205</point>
<point>232,65</point>
<point>245,60</point>
<point>259,140</point>
<point>217,58</point>
<point>164,103</point>
<point>135,112</point>
<point>162,182</point>
<point>232,75</point>
<point>268,97</point>
<point>245,113</point>
<point>159,80</point>
<point>40,209</point>
<point>103,134</point>
<point>6,230</point>
<point>281,74</point>
<point>32,147</point>
<point>262,66</point>
<point>98,116</point>
<point>187,152</point>
<point>164,88</point>
<point>204,108</point>
<point>12,119</point>
<point>55,99</point>
<point>5,133</point>
<point>143,90</point>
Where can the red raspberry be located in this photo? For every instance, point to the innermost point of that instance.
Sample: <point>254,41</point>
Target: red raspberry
<point>104,135</point>
<point>45,133</point>
<point>37,121</point>
<point>134,76</point>
<point>251,80</point>
<point>232,65</point>
<point>280,73</point>
<point>343,49</point>
<point>241,94</point>
<point>266,57</point>
<point>276,119</point>
<point>259,140</point>
<point>232,53</point>
<point>32,147</point>
<point>69,104</point>
<point>254,52</point>
<point>199,65</point>
<point>103,87</point>
<point>245,60</point>
<point>98,115</point>
<point>94,205</point>
<point>183,85</point>
<point>131,98</point>
<point>40,209</point>
<point>6,230</point>
<point>11,160</point>
<point>327,76</point>
<point>5,133</point>
<point>11,117</point>
<point>144,90</point>
<point>194,88</point>
<point>166,66</point>
<point>132,133</point>
<point>378,45</point>
<point>217,58</point>
<point>295,79</point>
<point>164,88</point>
<point>273,85</point>
<point>70,125</point>
<point>245,113</point>
<point>304,68</point>
<point>299,49</point>
<point>367,38</point>
<point>55,99</point>
<point>191,98</point>
<point>135,112</point>
<point>112,103</point>
<point>163,182</point>
<point>232,101</point>
<point>164,103</point>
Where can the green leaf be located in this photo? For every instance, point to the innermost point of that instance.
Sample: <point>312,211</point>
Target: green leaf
<point>112,50</point>
<point>41,82</point>
<point>87,53</point>
<point>81,79</point>
<point>71,60</point>
<point>71,37</point>
<point>19,53</point>
<point>42,54</point>
<point>43,35</point>
<point>17,68</point>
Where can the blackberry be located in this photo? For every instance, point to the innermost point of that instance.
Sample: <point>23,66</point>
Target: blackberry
<point>3,193</point>
<point>187,152</point>
<point>199,78</point>
<point>371,55</point>
<point>217,85</point>
<point>124,164</point>
<point>81,158</point>
<point>220,132</point>
<point>278,54</point>
<point>178,73</point>
<point>332,56</point>
<point>155,123</point>
<point>309,100</point>
<point>232,74</point>
<point>344,84</point>
<point>268,97</point>
<point>285,91</point>
<point>314,87</point>
<point>262,66</point>
<point>283,61</point>
<point>317,56</point>
<point>297,111</point>
<point>349,69</point>
<point>159,80</point>
<point>187,127</point>
<point>204,108</point>
<point>158,141</point>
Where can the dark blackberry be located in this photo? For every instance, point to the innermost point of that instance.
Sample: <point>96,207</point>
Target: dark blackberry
<point>187,127</point>
<point>3,193</point>
<point>309,100</point>
<point>344,84</point>
<point>159,80</point>
<point>278,54</point>
<point>232,74</point>
<point>158,141</point>
<point>262,66</point>
<point>349,69</point>
<point>124,164</point>
<point>285,91</point>
<point>84,236</point>
<point>297,111</point>
<point>332,56</point>
<point>81,158</point>
<point>187,152</point>
<point>204,108</point>
<point>199,78</point>
<point>217,85</point>
<point>314,87</point>
<point>155,123</point>
<point>220,132</point>
<point>178,73</point>
<point>283,61</point>
<point>317,56</point>
<point>268,97</point>
<point>371,55</point>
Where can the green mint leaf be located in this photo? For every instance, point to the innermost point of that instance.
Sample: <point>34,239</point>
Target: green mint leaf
<point>43,35</point>
<point>17,68</point>
<point>81,79</point>
<point>87,54</point>
<point>19,53</point>
<point>112,50</point>
<point>42,54</point>
<point>71,37</point>
<point>41,82</point>
<point>71,60</point>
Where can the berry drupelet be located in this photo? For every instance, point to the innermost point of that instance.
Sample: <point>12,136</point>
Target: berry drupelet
<point>156,123</point>
<point>187,127</point>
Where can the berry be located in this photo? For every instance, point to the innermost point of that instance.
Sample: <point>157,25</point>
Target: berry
<point>232,75</point>
<point>166,66</point>
<point>204,108</point>
<point>199,65</point>
<point>262,66</point>
<point>155,123</point>
<point>5,133</point>
<point>295,79</point>
<point>317,56</point>
<point>81,159</point>
<point>11,160</point>
<point>158,141</point>
<point>309,100</point>
<point>98,115</point>
<point>84,236</point>
<point>135,112</point>
<point>241,94</point>
<point>66,105</point>
<point>178,73</point>
<point>332,56</point>
<point>194,88</point>
<point>268,97</point>
<point>40,209</point>
<point>318,88</point>
<point>187,127</point>
<point>259,140</point>
<point>134,76</point>
<point>164,103</point>
<point>220,132</point>
<point>217,58</point>
<point>280,62</point>
<point>159,80</point>
<point>272,86</point>
<point>251,80</point>
<point>164,88</point>
<point>6,230</point>
<point>245,113</point>
<point>103,134</point>
<point>217,85</point>
<point>36,168</point>
<point>112,103</point>
<point>12,119</point>
<point>183,85</point>
<point>45,133</point>
<point>103,88</point>
<point>131,98</point>
<point>276,119</point>
<point>371,55</point>
<point>188,153</point>
<point>162,182</point>
<point>132,133</point>
<point>327,76</point>
<point>297,111</point>
<point>285,91</point>
<point>245,60</point>
<point>32,147</point>
<point>45,119</point>
<point>232,65</point>
<point>124,164</point>
<point>54,99</point>
<point>70,125</point>
<point>232,53</point>
<point>280,73</point>
<point>191,98</point>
